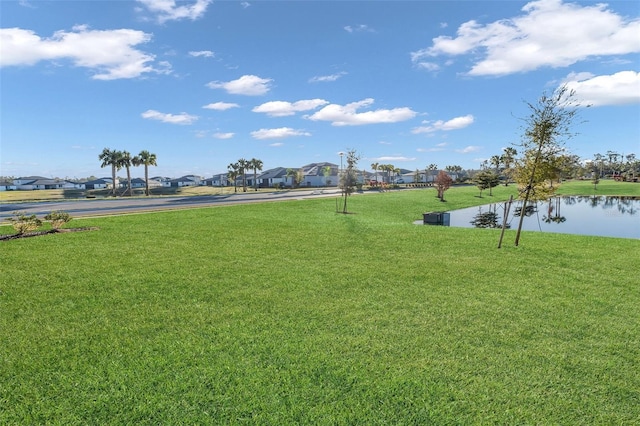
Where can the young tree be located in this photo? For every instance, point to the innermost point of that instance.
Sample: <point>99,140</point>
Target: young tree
<point>326,172</point>
<point>111,157</point>
<point>349,177</point>
<point>147,159</point>
<point>291,173</point>
<point>443,182</point>
<point>486,179</point>
<point>548,123</point>
<point>299,177</point>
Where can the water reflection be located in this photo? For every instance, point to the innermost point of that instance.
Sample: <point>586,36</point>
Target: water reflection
<point>584,215</point>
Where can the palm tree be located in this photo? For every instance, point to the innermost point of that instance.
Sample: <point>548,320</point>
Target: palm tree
<point>291,173</point>
<point>495,161</point>
<point>126,162</point>
<point>388,168</point>
<point>234,172</point>
<point>396,173</point>
<point>243,165</point>
<point>375,166</point>
<point>508,158</point>
<point>256,165</point>
<point>111,157</point>
<point>432,168</point>
<point>147,159</point>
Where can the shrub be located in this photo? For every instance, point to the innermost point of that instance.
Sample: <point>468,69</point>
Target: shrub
<point>58,218</point>
<point>23,223</point>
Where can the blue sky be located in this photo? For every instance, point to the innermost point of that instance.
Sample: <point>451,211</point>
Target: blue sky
<point>202,83</point>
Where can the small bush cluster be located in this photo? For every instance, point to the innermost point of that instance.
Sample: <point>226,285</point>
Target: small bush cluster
<point>22,223</point>
<point>58,218</point>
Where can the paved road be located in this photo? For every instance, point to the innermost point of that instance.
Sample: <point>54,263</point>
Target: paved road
<point>101,207</point>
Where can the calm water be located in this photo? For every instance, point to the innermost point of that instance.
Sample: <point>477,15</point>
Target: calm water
<point>602,216</point>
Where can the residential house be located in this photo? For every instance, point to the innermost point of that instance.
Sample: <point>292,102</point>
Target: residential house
<point>273,177</point>
<point>44,183</point>
<point>138,183</point>
<point>190,180</point>
<point>7,185</point>
<point>27,179</point>
<point>314,175</point>
<point>97,184</point>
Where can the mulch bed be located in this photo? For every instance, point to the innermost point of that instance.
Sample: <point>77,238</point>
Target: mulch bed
<point>51,231</point>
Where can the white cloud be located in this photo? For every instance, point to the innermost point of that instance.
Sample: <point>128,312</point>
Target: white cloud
<point>276,144</point>
<point>325,78</point>
<point>203,53</point>
<point>221,106</point>
<point>110,53</point>
<point>249,85</point>
<point>394,159</point>
<point>358,28</point>
<point>282,108</point>
<point>436,149</point>
<point>223,135</point>
<point>168,10</point>
<point>453,124</point>
<point>621,88</point>
<point>429,66</point>
<point>245,4</point>
<point>468,149</point>
<point>182,118</point>
<point>549,33</point>
<point>347,115</point>
<point>282,132</point>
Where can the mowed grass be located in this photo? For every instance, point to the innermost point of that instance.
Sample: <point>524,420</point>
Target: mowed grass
<point>288,313</point>
<point>604,187</point>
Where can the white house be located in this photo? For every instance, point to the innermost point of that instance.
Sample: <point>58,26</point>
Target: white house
<point>189,180</point>
<point>273,177</point>
<point>314,174</point>
<point>44,183</point>
<point>27,179</point>
<point>97,184</point>
<point>6,185</point>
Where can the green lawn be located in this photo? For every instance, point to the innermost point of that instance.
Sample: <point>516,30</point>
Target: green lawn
<point>604,187</point>
<point>288,313</point>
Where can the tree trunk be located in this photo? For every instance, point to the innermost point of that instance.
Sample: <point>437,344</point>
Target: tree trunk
<point>113,179</point>
<point>146,179</point>
<point>129,181</point>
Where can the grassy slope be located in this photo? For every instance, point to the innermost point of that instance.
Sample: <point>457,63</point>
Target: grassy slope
<point>289,313</point>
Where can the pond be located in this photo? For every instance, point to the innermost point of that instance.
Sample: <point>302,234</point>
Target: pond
<point>583,215</point>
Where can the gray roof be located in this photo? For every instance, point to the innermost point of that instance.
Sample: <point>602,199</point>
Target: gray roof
<point>45,181</point>
<point>315,169</point>
<point>31,178</point>
<point>97,182</point>
<point>278,172</point>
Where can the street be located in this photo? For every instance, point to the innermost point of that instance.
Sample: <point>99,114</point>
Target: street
<point>114,206</point>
